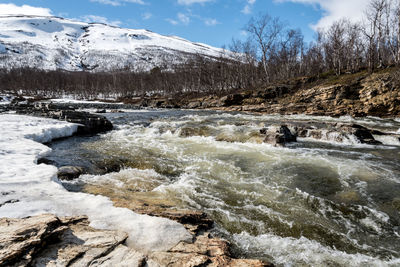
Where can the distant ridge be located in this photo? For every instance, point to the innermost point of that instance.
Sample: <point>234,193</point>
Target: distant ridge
<point>56,43</point>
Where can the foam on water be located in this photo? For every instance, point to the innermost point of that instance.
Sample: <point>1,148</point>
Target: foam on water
<point>388,139</point>
<point>309,203</point>
<point>29,189</point>
<point>302,251</point>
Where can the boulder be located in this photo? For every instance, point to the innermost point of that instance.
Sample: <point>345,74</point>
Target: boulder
<point>231,100</point>
<point>278,135</point>
<point>69,172</point>
<point>363,134</point>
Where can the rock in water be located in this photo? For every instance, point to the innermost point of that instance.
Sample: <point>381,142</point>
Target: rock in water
<point>278,135</point>
<point>69,172</point>
<point>363,134</point>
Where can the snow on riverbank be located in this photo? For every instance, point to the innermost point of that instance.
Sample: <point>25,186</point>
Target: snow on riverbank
<point>28,189</point>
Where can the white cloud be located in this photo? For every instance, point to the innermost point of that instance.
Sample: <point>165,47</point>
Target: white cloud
<point>334,10</point>
<point>100,19</point>
<point>211,22</point>
<point>11,9</point>
<point>172,21</point>
<point>147,16</point>
<point>183,18</point>
<point>247,8</point>
<point>190,2</point>
<point>118,2</point>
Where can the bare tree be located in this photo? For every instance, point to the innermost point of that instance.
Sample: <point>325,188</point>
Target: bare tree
<point>266,30</point>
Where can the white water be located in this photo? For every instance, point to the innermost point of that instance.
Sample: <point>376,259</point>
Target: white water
<point>28,189</point>
<point>311,203</point>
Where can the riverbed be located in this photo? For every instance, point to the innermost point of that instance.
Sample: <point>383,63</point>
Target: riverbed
<point>312,202</point>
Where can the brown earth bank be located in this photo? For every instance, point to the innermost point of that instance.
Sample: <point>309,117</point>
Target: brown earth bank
<point>359,94</point>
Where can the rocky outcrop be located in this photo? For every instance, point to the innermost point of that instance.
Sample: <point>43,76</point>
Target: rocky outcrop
<point>47,240</point>
<point>359,94</point>
<point>88,123</point>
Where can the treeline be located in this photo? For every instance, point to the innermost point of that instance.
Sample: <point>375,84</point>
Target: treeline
<point>198,76</point>
<point>273,52</point>
<point>345,46</point>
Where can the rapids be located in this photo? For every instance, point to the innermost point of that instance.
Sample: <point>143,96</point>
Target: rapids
<point>312,202</point>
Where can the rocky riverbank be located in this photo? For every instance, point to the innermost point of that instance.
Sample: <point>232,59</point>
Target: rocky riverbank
<point>47,240</point>
<point>89,123</point>
<point>360,94</point>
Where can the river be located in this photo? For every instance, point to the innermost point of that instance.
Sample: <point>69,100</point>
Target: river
<point>313,202</point>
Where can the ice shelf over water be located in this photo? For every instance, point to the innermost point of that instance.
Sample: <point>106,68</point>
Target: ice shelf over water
<point>28,189</point>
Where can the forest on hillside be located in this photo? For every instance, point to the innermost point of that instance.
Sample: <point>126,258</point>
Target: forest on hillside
<point>272,53</point>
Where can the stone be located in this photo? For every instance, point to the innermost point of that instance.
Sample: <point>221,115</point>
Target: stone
<point>21,239</point>
<point>47,240</point>
<point>363,134</point>
<point>278,135</point>
<point>69,172</point>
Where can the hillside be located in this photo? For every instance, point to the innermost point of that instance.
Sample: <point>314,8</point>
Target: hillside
<point>51,43</point>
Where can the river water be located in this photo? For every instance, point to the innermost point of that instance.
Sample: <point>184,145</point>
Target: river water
<point>318,203</point>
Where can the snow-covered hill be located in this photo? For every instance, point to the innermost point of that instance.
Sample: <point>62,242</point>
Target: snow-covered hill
<point>57,43</point>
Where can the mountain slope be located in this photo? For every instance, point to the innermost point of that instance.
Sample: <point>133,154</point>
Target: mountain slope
<point>57,43</point>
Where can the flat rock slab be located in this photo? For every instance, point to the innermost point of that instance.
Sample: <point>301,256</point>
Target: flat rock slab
<point>47,240</point>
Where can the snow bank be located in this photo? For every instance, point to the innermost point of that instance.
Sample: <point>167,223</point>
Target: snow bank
<point>28,189</point>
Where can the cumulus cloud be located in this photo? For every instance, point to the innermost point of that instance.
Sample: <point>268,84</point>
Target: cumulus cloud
<point>100,19</point>
<point>11,9</point>
<point>172,21</point>
<point>190,2</point>
<point>334,10</point>
<point>147,15</point>
<point>210,22</point>
<point>248,7</point>
<point>118,2</point>
<point>183,18</point>
<point>180,19</point>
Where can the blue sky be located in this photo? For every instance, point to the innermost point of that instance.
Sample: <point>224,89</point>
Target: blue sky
<point>214,22</point>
